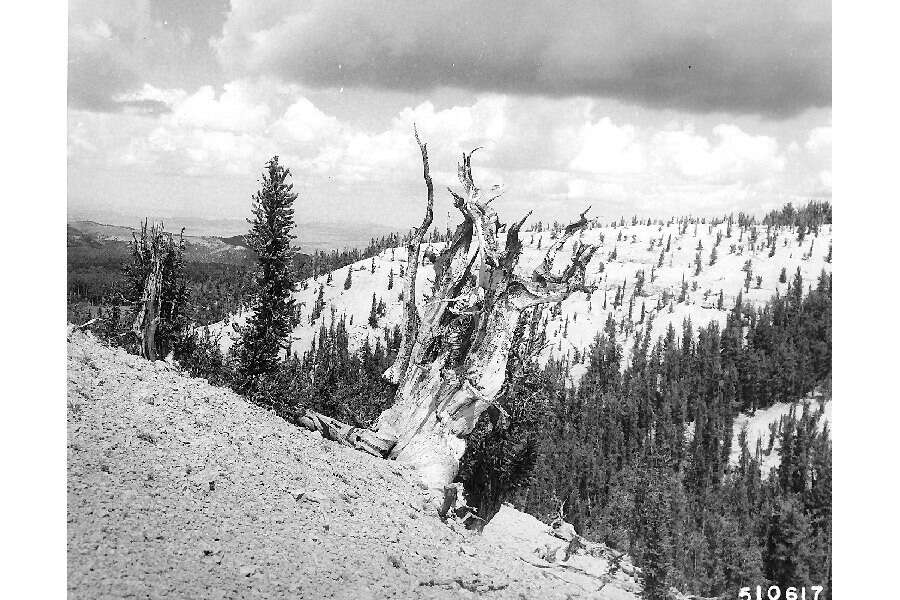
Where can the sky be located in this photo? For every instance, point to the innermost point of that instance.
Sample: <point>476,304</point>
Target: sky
<point>632,107</point>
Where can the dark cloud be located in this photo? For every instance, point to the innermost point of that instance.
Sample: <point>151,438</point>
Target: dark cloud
<point>117,46</point>
<point>96,78</point>
<point>769,58</point>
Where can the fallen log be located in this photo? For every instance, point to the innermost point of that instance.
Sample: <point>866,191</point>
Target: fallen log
<point>372,442</point>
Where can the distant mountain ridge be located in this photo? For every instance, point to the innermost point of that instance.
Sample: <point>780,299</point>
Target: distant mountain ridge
<point>114,239</point>
<point>310,236</point>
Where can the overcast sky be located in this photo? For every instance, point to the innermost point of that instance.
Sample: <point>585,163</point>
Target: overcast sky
<point>633,106</point>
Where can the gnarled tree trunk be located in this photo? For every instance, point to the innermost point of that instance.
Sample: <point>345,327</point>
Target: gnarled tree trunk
<point>451,364</point>
<point>150,248</point>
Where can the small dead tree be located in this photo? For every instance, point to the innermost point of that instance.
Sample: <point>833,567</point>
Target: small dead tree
<point>451,365</point>
<point>155,274</point>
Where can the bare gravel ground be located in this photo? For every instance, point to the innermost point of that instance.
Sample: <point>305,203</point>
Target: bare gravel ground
<point>180,489</point>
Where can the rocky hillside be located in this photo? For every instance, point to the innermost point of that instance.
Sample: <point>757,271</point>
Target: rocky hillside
<point>180,489</point>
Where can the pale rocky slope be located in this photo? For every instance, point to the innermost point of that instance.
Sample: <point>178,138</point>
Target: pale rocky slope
<point>180,489</point>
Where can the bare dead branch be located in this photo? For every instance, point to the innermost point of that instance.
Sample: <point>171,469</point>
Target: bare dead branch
<point>545,270</point>
<point>410,315</point>
<point>510,256</point>
<point>88,323</point>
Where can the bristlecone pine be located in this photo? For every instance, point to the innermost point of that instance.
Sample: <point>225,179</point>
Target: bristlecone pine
<point>452,360</point>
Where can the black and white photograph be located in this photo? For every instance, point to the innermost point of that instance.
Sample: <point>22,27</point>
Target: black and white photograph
<point>439,300</point>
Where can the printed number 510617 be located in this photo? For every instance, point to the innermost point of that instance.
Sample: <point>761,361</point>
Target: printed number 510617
<point>774,593</point>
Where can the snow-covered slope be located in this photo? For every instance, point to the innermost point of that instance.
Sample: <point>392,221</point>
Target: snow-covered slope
<point>758,425</point>
<point>586,315</point>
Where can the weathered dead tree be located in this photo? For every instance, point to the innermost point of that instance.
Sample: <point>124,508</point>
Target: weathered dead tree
<point>149,252</point>
<point>452,362</point>
<point>451,365</point>
<point>156,259</point>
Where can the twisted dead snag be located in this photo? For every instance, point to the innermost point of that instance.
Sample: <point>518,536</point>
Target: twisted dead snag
<point>460,343</point>
<point>151,251</point>
<point>451,365</point>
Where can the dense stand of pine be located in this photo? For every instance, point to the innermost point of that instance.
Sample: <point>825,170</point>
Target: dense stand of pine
<point>620,452</point>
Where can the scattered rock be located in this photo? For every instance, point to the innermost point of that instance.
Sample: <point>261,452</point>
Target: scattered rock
<point>247,570</point>
<point>148,436</point>
<point>195,510</point>
<point>309,495</point>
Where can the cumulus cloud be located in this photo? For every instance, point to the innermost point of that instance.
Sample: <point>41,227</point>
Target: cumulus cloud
<point>764,58</point>
<point>233,110</point>
<point>565,158</point>
<point>305,122</point>
<point>731,156</point>
<point>607,148</point>
<point>819,140</point>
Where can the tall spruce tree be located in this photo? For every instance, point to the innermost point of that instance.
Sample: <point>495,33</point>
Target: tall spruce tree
<point>267,330</point>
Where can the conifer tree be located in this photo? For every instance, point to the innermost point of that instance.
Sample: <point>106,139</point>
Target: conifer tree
<point>373,313</point>
<point>267,330</point>
<point>639,283</point>
<point>348,282</point>
<point>656,514</point>
<point>318,306</point>
<point>390,284</point>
